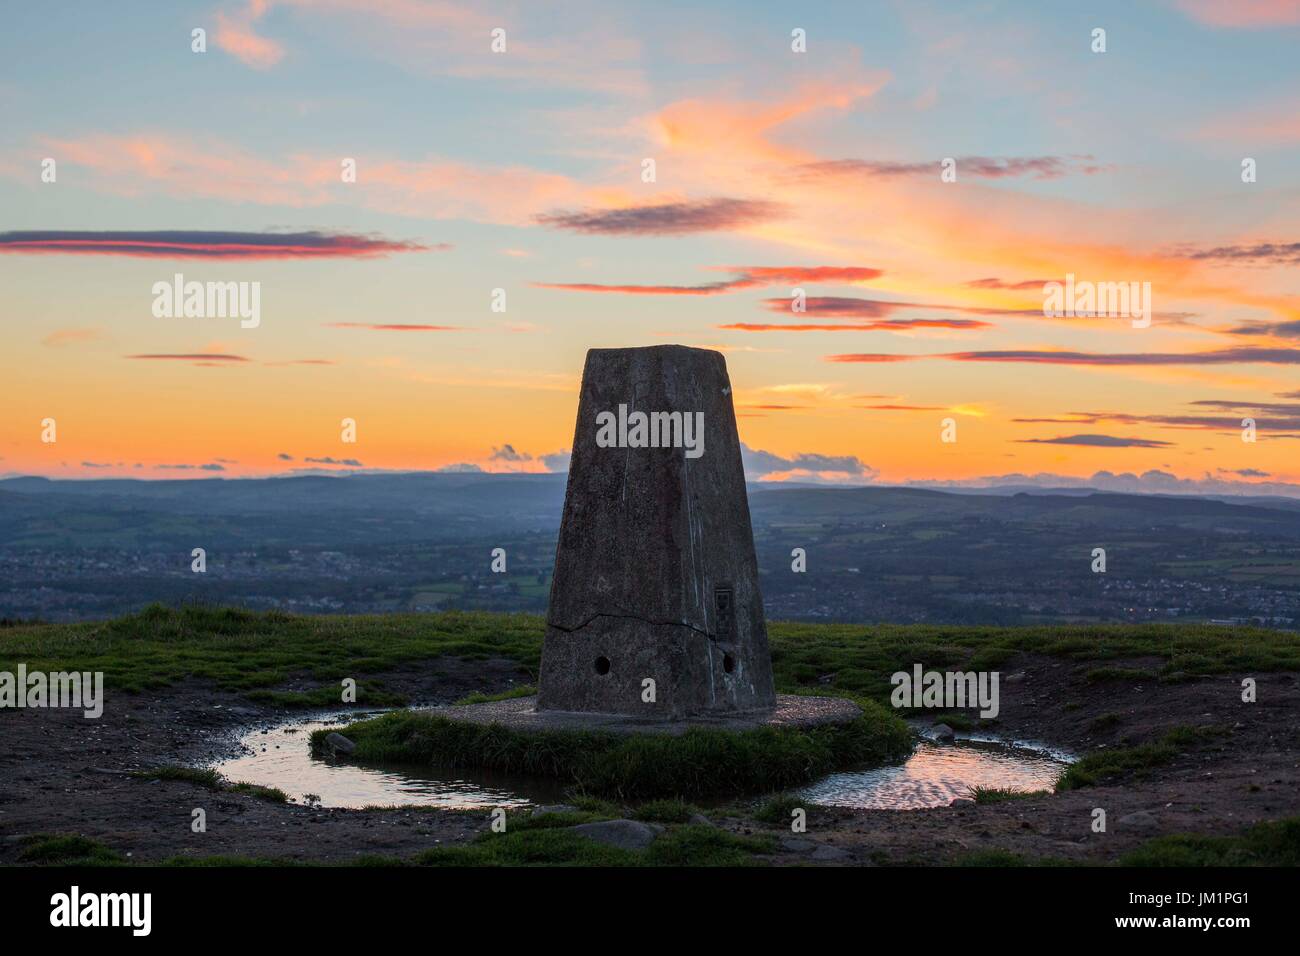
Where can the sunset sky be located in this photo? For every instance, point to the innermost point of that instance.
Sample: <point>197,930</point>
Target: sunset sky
<point>522,170</point>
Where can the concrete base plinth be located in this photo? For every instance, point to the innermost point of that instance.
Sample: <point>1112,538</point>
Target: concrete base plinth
<point>521,713</point>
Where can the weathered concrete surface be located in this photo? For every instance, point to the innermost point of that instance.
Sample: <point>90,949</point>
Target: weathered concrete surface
<point>655,575</point>
<point>522,713</point>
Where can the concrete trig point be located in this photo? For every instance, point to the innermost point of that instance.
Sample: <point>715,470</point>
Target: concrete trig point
<point>655,622</point>
<point>655,575</point>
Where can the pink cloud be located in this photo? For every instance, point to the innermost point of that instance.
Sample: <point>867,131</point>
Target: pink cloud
<point>143,163</point>
<point>235,35</point>
<point>1242,14</point>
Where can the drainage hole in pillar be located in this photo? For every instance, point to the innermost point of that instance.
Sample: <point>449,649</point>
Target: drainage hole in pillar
<point>728,663</point>
<point>602,665</point>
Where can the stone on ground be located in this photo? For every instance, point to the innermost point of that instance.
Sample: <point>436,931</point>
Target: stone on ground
<point>623,834</point>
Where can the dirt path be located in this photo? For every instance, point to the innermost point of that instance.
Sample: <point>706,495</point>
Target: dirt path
<point>64,774</point>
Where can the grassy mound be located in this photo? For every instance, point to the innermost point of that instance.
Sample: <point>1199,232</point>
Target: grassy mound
<point>1265,844</point>
<point>698,763</point>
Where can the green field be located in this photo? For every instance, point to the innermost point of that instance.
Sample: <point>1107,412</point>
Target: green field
<point>254,653</point>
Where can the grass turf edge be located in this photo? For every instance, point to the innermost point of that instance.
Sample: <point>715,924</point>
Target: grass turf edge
<point>698,763</point>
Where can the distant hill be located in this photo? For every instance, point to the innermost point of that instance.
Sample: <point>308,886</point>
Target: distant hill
<point>421,541</point>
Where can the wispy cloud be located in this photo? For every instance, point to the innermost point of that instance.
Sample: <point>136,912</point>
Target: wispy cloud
<point>394,327</point>
<point>61,337</point>
<point>665,219</point>
<point>210,167</point>
<point>1024,285</point>
<point>854,307</point>
<point>1270,417</point>
<point>342,462</point>
<point>195,244</point>
<point>744,277</point>
<point>1283,330</point>
<point>1098,441</point>
<point>1062,357</point>
<point>980,167</point>
<point>1242,14</point>
<point>195,358</point>
<point>1271,253</point>
<point>236,35</point>
<point>884,325</point>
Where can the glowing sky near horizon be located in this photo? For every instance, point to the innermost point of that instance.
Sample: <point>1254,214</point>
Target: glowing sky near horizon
<point>775,170</point>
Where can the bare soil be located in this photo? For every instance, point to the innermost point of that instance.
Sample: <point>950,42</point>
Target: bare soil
<point>61,773</point>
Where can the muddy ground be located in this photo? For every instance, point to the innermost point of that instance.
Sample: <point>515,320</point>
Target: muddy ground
<point>61,773</point>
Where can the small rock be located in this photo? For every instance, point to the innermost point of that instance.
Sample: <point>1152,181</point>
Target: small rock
<point>700,820</point>
<point>825,678</point>
<point>830,853</point>
<point>339,744</point>
<point>1142,820</point>
<point>623,834</point>
<point>1015,678</point>
<point>942,732</point>
<point>796,845</point>
<point>553,808</point>
<point>962,802</point>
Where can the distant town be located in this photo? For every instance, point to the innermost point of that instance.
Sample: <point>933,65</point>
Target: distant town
<point>88,550</point>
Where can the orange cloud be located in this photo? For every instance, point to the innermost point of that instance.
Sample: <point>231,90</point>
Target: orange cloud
<point>61,337</point>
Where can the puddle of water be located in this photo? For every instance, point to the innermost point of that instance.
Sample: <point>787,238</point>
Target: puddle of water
<point>938,773</point>
<point>934,776</point>
<point>281,757</point>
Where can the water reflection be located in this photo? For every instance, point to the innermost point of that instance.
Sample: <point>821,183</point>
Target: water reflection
<point>937,774</point>
<point>934,776</point>
<point>280,757</point>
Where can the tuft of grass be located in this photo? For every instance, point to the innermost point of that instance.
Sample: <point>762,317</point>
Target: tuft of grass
<point>1105,722</point>
<point>1000,795</point>
<point>700,762</point>
<point>209,778</point>
<point>1273,843</point>
<point>1101,766</point>
<point>665,811</point>
<point>707,846</point>
<point>53,849</point>
<point>778,808</point>
<point>552,846</point>
<point>523,690</point>
<point>597,805</point>
<point>997,858</point>
<point>955,719</point>
<point>223,861</point>
<point>528,847</point>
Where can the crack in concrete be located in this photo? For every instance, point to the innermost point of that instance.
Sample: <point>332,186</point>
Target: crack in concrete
<point>630,617</point>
